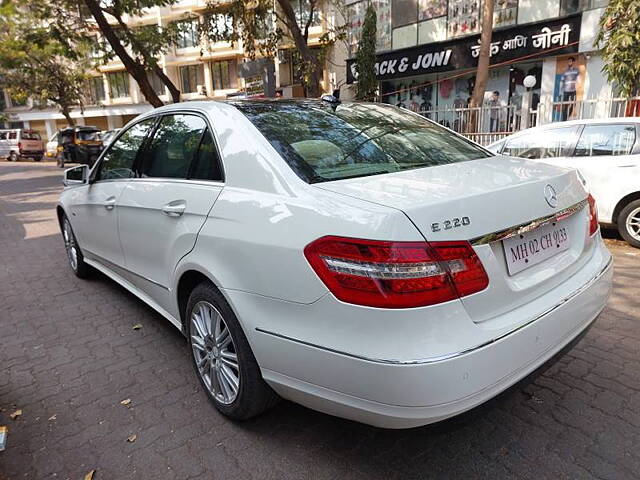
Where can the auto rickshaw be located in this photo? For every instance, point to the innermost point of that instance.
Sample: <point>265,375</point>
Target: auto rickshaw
<point>79,145</point>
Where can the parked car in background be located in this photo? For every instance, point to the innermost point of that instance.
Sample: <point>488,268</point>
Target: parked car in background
<point>4,145</point>
<point>23,143</point>
<point>109,135</point>
<point>606,153</point>
<point>51,148</point>
<point>79,145</point>
<point>355,258</point>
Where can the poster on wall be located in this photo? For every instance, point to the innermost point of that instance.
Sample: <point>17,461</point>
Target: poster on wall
<point>383,27</point>
<point>505,13</point>
<point>355,15</point>
<point>428,9</point>
<point>464,17</point>
<point>569,86</point>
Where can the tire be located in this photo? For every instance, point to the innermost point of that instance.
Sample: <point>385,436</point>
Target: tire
<point>629,223</point>
<point>38,159</point>
<point>252,395</point>
<point>74,254</point>
<point>13,157</point>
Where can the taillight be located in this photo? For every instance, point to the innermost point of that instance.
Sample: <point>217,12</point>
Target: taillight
<point>593,215</point>
<point>396,274</point>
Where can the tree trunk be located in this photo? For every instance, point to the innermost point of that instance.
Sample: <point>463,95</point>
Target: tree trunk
<point>482,74</point>
<point>136,70</point>
<point>67,114</point>
<point>173,90</point>
<point>313,88</point>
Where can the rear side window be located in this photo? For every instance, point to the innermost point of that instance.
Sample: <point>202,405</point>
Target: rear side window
<point>321,142</point>
<point>87,135</point>
<point>30,136</point>
<point>118,161</point>
<point>597,140</point>
<point>206,164</point>
<point>545,143</point>
<point>173,147</point>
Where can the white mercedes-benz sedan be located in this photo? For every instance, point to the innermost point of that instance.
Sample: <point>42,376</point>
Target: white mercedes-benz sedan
<point>354,258</point>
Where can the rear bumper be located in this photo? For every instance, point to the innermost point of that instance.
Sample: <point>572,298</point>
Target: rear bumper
<point>32,154</point>
<point>412,392</point>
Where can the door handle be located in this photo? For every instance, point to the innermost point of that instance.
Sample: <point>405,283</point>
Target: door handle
<point>174,209</point>
<point>109,203</point>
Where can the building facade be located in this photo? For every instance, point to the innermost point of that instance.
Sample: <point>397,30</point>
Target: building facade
<point>198,68</point>
<point>428,51</point>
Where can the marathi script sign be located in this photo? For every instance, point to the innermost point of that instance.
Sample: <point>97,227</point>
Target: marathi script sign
<point>554,37</point>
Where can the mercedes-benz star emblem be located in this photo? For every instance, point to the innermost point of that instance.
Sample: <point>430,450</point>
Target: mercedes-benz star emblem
<point>551,196</point>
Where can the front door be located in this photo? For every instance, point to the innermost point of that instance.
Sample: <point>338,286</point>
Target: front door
<point>94,208</point>
<point>161,213</point>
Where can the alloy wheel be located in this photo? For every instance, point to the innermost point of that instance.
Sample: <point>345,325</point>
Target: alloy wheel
<point>70,244</point>
<point>214,352</point>
<point>633,223</point>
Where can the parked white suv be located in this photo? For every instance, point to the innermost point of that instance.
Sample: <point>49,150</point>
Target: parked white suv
<point>607,154</point>
<point>23,143</point>
<point>355,258</point>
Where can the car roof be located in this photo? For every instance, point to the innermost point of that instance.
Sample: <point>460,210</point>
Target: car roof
<point>233,102</point>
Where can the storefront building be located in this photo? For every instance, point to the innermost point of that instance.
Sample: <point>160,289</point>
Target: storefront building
<point>428,51</point>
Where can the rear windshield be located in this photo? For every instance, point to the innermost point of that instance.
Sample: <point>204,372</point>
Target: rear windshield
<point>30,136</point>
<point>322,142</point>
<point>88,136</point>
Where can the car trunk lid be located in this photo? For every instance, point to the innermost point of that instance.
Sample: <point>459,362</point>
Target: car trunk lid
<point>477,200</point>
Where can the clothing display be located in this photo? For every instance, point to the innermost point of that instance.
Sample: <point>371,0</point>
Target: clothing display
<point>428,9</point>
<point>464,17</point>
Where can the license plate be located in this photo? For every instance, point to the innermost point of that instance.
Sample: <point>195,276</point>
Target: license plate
<point>528,249</point>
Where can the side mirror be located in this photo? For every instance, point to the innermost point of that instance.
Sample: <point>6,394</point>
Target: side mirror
<point>76,176</point>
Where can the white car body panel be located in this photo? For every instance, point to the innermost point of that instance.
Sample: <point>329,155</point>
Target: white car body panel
<point>140,210</point>
<point>610,179</point>
<point>93,214</point>
<point>391,368</point>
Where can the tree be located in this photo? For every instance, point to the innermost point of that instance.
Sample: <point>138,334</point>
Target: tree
<point>366,58</point>
<point>484,58</point>
<point>620,37</point>
<point>145,43</point>
<point>262,25</point>
<point>38,60</point>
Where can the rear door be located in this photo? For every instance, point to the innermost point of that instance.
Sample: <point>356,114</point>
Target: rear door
<point>30,142</point>
<point>607,157</point>
<point>162,212</point>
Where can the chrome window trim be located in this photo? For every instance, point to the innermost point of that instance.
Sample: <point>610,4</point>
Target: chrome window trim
<point>157,116</point>
<point>449,356</point>
<point>527,227</point>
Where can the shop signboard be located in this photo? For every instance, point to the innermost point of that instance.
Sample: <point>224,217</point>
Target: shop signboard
<point>523,42</point>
